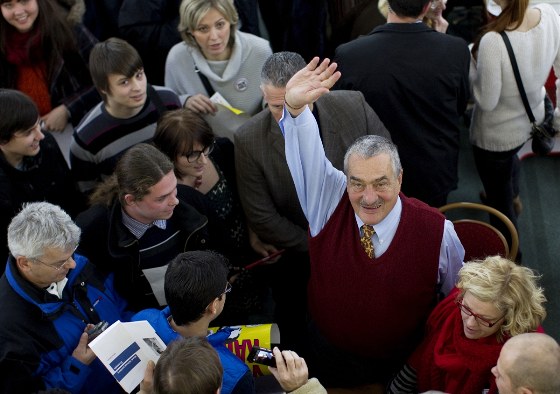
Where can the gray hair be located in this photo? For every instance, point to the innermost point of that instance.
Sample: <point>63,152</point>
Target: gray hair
<point>373,145</point>
<point>41,225</point>
<point>280,67</point>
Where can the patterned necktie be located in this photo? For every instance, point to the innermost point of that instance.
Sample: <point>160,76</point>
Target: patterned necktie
<point>367,244</point>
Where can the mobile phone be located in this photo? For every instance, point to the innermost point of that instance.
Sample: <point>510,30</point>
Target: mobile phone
<point>264,259</point>
<point>96,330</point>
<point>260,355</point>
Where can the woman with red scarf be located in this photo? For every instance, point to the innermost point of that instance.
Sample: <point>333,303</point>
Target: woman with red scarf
<point>495,299</point>
<point>46,57</point>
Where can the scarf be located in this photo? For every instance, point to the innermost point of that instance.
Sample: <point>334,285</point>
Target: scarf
<point>23,48</point>
<point>24,51</point>
<point>448,361</point>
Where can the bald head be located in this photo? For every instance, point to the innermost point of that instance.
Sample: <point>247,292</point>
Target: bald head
<point>529,363</point>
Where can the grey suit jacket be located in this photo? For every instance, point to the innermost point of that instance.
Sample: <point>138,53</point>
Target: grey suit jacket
<point>266,188</point>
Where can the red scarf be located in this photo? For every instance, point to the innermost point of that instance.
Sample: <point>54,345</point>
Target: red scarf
<point>23,48</point>
<point>24,51</point>
<point>448,361</point>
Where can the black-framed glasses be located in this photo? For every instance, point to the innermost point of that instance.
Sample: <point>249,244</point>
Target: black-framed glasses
<point>194,155</point>
<point>58,265</point>
<point>481,320</point>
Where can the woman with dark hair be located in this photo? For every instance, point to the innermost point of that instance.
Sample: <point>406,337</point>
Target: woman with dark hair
<point>32,167</point>
<point>500,125</point>
<point>205,165</point>
<point>44,56</point>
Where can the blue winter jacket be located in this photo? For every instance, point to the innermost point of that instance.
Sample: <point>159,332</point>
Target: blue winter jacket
<point>39,331</point>
<point>237,376</point>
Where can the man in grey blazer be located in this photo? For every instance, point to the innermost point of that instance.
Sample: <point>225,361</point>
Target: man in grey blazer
<point>266,188</point>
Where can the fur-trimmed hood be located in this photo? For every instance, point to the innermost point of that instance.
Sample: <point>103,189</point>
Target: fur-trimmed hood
<point>75,10</point>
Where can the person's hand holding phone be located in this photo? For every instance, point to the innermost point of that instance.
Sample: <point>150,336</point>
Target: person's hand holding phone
<point>83,353</point>
<point>291,370</point>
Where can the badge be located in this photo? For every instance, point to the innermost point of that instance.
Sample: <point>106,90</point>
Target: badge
<point>241,84</point>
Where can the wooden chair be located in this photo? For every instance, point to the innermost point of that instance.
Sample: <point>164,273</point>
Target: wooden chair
<point>480,239</point>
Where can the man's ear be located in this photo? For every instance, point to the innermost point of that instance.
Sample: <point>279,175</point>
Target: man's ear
<point>22,263</point>
<point>213,307</point>
<point>129,199</point>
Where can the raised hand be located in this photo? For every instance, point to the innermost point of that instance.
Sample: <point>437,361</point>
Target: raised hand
<point>310,83</point>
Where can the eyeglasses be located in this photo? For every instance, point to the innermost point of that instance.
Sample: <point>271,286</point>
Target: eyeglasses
<point>195,154</point>
<point>59,265</point>
<point>485,322</point>
<point>227,290</point>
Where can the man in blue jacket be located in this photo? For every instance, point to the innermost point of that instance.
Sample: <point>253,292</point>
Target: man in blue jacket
<point>196,286</point>
<point>50,297</point>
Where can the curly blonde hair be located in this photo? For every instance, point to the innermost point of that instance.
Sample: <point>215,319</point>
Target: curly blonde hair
<point>511,288</point>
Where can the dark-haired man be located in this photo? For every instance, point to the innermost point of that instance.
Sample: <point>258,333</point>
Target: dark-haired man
<point>417,80</point>
<point>137,224</point>
<point>127,116</point>
<point>196,288</point>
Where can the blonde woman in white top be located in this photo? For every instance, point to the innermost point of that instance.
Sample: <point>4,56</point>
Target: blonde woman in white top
<point>229,60</point>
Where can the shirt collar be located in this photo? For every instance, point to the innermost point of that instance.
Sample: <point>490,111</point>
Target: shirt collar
<point>138,229</point>
<point>56,288</point>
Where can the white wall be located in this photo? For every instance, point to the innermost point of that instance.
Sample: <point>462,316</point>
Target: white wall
<point>554,3</point>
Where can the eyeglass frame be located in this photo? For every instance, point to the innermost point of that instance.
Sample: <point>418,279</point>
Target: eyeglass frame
<point>485,322</point>
<point>53,266</point>
<point>206,151</point>
<point>227,290</point>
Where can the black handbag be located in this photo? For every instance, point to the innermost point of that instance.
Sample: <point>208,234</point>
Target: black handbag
<point>542,134</point>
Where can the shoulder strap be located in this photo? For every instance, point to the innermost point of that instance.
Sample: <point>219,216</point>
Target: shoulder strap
<point>154,96</point>
<point>209,89</point>
<point>518,77</point>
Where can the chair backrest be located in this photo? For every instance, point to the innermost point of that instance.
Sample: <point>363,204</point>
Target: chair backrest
<point>481,239</point>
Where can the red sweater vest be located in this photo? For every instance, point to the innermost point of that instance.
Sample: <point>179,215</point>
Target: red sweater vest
<point>375,308</point>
